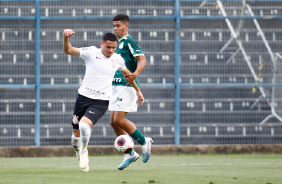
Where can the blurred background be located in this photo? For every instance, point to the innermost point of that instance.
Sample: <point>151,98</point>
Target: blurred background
<point>214,72</point>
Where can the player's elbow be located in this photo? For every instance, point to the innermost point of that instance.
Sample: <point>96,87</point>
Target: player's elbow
<point>68,51</point>
<point>144,61</point>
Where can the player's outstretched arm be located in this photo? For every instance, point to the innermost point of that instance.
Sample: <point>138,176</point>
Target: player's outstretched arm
<point>68,49</point>
<point>134,85</point>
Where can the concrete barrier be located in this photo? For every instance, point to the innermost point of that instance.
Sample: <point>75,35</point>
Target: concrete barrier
<point>65,151</point>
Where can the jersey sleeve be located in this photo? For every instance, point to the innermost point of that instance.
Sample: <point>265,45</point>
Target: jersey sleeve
<point>121,64</point>
<point>85,52</point>
<point>134,48</point>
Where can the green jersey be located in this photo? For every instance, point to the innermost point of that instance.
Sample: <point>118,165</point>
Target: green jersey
<point>128,48</point>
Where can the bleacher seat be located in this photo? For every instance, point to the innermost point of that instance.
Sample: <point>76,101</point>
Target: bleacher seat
<point>205,58</point>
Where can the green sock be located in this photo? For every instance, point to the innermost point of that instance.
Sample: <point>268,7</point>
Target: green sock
<point>138,136</point>
<point>131,152</point>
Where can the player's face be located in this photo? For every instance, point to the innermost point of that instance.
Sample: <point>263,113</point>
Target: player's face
<point>120,28</point>
<point>108,48</point>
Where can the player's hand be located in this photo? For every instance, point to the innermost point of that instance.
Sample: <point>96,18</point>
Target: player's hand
<point>140,98</point>
<point>68,33</point>
<point>129,77</point>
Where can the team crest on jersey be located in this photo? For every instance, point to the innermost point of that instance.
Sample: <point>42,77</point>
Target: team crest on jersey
<point>75,119</point>
<point>114,63</point>
<point>121,45</point>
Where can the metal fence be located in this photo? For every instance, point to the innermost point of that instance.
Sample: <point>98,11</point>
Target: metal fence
<point>213,74</point>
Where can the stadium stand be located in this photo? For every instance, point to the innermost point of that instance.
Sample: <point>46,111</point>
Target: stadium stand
<point>218,102</point>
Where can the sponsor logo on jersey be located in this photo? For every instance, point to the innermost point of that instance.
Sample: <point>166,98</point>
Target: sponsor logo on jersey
<point>85,48</point>
<point>91,112</point>
<point>98,57</point>
<point>95,91</point>
<point>117,79</point>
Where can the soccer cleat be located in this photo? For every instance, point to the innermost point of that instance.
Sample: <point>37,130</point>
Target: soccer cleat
<point>86,169</point>
<point>128,159</point>
<point>84,161</point>
<point>146,149</point>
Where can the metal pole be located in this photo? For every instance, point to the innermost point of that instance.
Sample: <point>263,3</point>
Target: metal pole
<point>37,75</point>
<point>177,74</point>
<point>262,35</point>
<point>239,43</point>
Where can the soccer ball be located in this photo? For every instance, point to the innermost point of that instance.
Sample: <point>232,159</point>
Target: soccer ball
<point>124,144</point>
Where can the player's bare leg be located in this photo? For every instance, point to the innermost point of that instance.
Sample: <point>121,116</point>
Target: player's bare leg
<point>118,130</point>
<point>133,155</point>
<point>121,125</point>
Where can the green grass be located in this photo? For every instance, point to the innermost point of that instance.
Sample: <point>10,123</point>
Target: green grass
<point>176,169</point>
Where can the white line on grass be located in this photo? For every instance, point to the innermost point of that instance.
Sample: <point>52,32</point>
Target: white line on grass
<point>206,164</point>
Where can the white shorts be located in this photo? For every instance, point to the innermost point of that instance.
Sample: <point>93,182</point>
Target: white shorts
<point>123,99</point>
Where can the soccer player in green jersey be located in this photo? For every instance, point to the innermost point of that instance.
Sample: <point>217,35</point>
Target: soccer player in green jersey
<point>124,96</point>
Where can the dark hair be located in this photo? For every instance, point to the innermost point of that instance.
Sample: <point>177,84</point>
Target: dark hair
<point>110,36</point>
<point>121,17</point>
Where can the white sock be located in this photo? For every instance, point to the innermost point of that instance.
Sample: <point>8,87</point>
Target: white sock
<point>76,142</point>
<point>85,133</point>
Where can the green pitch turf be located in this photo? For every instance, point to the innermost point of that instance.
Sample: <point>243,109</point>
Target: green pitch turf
<point>175,169</point>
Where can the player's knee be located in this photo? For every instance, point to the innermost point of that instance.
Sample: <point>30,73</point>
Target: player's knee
<point>112,123</point>
<point>116,121</point>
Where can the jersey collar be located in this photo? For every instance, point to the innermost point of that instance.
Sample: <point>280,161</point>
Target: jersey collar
<point>123,37</point>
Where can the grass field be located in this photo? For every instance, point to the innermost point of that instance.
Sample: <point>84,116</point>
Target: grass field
<point>176,169</point>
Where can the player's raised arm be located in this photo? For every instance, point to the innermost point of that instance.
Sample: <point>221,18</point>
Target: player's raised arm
<point>68,49</point>
<point>134,85</point>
